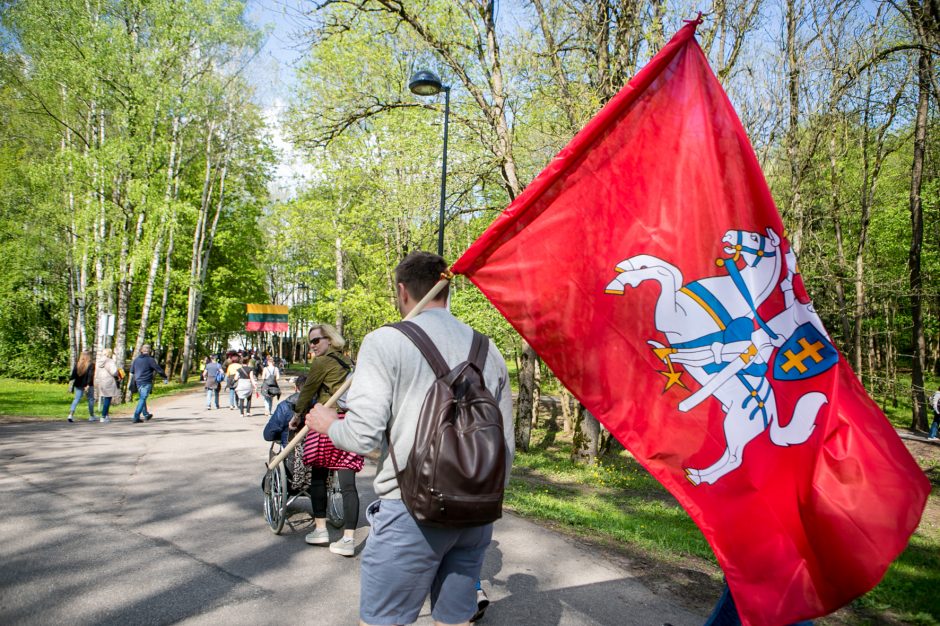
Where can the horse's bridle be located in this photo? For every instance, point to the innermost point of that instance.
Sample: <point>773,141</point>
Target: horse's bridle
<point>759,253</point>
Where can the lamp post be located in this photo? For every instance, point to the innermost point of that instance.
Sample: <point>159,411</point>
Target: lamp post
<point>425,83</point>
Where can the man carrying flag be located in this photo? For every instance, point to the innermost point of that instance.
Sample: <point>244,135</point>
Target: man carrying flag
<point>684,285</point>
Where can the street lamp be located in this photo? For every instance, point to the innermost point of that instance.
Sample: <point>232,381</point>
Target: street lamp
<point>425,83</point>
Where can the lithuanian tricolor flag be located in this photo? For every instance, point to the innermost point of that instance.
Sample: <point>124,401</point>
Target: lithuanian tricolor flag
<point>267,317</point>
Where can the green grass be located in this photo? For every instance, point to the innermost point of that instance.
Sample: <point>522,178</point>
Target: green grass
<point>911,588</point>
<point>618,501</point>
<point>615,499</point>
<point>51,400</point>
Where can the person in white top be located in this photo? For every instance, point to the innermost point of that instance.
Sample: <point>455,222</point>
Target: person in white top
<point>270,385</point>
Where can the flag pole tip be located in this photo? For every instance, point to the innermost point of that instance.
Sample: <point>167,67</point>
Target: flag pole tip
<point>697,21</point>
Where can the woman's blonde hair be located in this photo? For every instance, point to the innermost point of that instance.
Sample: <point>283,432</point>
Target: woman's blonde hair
<point>84,361</point>
<point>107,353</point>
<point>330,332</point>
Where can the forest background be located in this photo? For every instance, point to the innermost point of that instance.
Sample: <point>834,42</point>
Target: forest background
<point>135,163</point>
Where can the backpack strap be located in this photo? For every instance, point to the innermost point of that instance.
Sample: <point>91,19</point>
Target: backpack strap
<point>424,344</point>
<point>339,360</point>
<point>478,350</point>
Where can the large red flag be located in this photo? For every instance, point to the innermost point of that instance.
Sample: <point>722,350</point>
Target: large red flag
<point>647,265</point>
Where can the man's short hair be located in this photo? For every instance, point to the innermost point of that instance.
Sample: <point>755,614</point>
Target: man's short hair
<point>419,272</point>
<point>145,349</point>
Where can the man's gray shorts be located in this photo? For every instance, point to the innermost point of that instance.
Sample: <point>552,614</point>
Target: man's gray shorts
<point>403,561</point>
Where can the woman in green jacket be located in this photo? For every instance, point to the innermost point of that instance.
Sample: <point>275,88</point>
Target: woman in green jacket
<point>328,372</point>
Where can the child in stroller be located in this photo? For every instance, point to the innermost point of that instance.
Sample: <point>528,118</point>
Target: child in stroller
<point>290,479</point>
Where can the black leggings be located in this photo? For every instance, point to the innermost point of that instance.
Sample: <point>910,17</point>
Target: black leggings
<point>347,483</point>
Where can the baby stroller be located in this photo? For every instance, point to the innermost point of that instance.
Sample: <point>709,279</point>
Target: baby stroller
<point>279,493</point>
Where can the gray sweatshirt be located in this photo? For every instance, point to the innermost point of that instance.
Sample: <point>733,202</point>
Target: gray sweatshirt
<point>391,381</point>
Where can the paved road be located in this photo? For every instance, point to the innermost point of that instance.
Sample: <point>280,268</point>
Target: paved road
<point>161,523</point>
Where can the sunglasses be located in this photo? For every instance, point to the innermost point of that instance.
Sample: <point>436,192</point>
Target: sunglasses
<point>315,340</point>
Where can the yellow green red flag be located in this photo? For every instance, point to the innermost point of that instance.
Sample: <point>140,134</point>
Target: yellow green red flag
<point>267,317</point>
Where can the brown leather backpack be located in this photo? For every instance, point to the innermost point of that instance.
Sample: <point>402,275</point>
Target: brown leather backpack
<point>456,471</point>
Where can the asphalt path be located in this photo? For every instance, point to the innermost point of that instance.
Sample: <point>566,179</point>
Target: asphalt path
<point>162,523</point>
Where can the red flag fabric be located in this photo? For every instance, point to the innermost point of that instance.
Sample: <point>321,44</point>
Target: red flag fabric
<point>647,265</point>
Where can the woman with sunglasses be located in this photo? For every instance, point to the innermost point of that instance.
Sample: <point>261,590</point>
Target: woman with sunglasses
<point>328,372</point>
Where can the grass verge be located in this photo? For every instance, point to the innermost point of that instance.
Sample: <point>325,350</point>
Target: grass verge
<point>618,505</point>
<point>19,398</point>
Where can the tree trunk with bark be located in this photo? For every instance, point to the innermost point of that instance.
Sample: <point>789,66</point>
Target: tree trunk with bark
<point>919,409</point>
<point>587,431</point>
<point>526,397</point>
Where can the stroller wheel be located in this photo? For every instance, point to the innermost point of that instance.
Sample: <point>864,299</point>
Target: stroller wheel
<point>334,501</point>
<point>275,498</point>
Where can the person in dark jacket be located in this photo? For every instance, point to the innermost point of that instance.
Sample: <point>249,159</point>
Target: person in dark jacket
<point>278,427</point>
<point>211,377</point>
<point>142,371</point>
<point>84,376</point>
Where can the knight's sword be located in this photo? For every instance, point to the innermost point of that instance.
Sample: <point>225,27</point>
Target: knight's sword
<point>736,365</point>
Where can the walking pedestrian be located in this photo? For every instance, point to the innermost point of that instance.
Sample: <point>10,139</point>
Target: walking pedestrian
<point>231,371</point>
<point>83,375</point>
<point>270,385</point>
<point>328,372</point>
<point>390,386</point>
<point>142,370</point>
<point>213,376</point>
<point>245,385</point>
<point>108,378</point>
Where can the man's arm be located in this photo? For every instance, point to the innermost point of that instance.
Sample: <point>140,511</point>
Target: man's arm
<point>504,398</point>
<point>156,367</point>
<point>369,400</point>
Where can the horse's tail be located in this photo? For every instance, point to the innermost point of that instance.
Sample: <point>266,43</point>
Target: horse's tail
<point>804,421</point>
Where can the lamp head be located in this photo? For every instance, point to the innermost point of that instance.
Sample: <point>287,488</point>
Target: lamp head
<point>425,83</point>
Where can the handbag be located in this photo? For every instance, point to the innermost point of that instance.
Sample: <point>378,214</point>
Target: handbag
<point>133,386</point>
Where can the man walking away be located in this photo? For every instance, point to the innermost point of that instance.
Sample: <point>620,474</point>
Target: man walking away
<point>214,375</point>
<point>391,382</point>
<point>142,369</point>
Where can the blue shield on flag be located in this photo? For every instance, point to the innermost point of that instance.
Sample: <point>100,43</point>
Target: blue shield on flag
<point>806,353</point>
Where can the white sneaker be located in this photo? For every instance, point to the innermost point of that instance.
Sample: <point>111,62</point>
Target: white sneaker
<point>344,547</point>
<point>482,603</point>
<point>105,420</point>
<point>319,537</point>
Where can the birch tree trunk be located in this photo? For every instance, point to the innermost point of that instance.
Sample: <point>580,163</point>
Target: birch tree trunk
<point>158,245</point>
<point>919,412</point>
<point>168,266</point>
<point>195,290</point>
<point>202,256</point>
<point>792,136</point>
<point>340,284</point>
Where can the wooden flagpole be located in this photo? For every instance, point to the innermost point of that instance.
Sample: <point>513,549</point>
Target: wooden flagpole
<point>436,289</point>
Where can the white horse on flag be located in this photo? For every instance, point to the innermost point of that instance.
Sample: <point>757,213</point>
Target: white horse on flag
<point>713,330</point>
